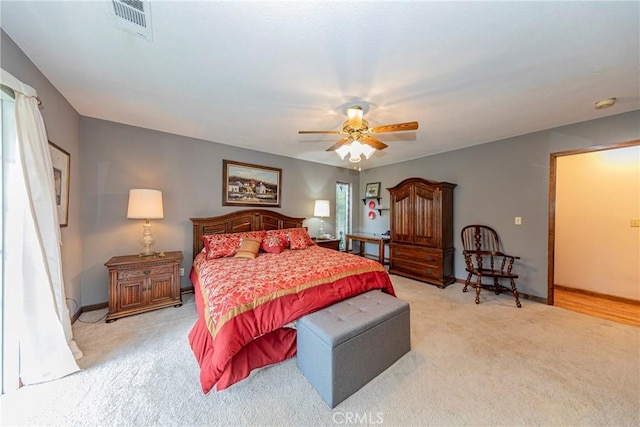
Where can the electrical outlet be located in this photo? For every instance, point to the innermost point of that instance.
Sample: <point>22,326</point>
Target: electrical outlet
<point>518,220</point>
<point>635,222</point>
<point>182,271</point>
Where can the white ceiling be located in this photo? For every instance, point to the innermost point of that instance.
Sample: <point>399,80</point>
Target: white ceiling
<point>251,74</point>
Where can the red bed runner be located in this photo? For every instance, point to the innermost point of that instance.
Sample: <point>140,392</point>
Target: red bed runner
<point>244,304</point>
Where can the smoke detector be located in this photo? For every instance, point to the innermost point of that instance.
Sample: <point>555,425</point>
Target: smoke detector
<point>132,16</point>
<point>605,103</point>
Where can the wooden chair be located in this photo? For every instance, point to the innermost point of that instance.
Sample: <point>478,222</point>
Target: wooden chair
<point>481,250</point>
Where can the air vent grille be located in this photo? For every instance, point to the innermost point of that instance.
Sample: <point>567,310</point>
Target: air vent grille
<point>132,16</point>
<point>131,10</point>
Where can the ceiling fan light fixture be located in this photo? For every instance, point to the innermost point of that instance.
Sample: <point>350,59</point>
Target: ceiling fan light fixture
<point>368,151</point>
<point>343,150</point>
<point>354,116</point>
<point>355,150</point>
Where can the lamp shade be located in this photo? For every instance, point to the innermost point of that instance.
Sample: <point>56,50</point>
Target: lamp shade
<point>322,209</point>
<point>145,204</point>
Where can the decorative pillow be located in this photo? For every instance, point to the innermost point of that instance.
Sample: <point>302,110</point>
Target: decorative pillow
<point>248,248</point>
<point>274,243</point>
<point>299,238</point>
<point>221,245</point>
<point>226,245</point>
<point>283,234</point>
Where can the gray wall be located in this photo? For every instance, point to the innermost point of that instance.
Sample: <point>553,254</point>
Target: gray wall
<point>501,180</point>
<point>116,158</point>
<point>496,181</point>
<point>62,123</point>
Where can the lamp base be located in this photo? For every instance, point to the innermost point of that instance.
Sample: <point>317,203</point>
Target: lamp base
<point>147,241</point>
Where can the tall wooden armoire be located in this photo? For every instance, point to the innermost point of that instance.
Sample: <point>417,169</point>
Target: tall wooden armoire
<point>421,244</point>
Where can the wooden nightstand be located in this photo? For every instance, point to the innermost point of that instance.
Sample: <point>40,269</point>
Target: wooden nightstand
<point>139,284</point>
<point>329,243</point>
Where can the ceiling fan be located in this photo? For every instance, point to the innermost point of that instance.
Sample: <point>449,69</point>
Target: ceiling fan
<point>358,140</point>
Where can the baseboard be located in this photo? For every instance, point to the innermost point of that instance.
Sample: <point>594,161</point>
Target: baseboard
<point>102,305</point>
<point>87,308</point>
<point>596,294</point>
<point>528,297</point>
<point>76,315</point>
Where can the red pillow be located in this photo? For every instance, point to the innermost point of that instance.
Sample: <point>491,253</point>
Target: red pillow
<point>299,238</point>
<point>221,245</point>
<point>283,234</point>
<point>274,243</point>
<point>226,245</point>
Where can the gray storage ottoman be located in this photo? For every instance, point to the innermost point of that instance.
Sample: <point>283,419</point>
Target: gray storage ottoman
<point>346,345</point>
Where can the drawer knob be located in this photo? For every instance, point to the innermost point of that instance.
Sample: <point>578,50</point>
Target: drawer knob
<point>147,272</point>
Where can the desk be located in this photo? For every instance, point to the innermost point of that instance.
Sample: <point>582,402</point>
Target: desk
<point>367,238</point>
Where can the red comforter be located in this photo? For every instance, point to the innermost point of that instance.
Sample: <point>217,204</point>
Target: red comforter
<point>244,304</point>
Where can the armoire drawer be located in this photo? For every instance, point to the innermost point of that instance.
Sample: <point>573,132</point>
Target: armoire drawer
<point>416,269</point>
<point>415,254</point>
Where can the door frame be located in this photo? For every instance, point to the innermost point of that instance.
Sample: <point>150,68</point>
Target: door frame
<point>552,203</point>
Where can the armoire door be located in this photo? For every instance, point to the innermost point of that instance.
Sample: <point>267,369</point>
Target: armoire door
<point>401,216</point>
<point>426,213</point>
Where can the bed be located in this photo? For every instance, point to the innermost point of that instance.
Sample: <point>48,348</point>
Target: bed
<point>248,303</point>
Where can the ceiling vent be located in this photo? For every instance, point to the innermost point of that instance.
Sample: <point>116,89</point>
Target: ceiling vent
<point>132,16</point>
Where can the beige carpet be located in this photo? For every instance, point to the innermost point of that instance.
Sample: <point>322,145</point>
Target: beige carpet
<point>489,364</point>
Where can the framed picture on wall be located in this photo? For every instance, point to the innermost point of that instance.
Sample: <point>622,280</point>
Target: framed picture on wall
<point>61,161</point>
<point>244,184</point>
<point>372,190</point>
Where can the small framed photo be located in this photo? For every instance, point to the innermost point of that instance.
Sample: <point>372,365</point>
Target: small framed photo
<point>244,184</point>
<point>61,162</point>
<point>372,190</point>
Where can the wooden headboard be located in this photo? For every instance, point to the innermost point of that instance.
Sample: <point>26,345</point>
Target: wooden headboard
<point>235,222</point>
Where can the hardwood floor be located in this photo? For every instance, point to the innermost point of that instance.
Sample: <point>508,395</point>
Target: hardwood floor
<point>598,306</point>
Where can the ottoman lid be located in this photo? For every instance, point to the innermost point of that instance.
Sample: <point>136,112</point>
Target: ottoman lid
<point>346,319</point>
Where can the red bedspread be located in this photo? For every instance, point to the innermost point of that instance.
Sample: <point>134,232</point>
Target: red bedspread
<point>244,305</point>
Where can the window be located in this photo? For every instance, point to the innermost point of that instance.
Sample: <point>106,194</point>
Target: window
<point>8,338</point>
<point>343,211</point>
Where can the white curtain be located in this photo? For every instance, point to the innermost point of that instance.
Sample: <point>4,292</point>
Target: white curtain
<point>34,273</point>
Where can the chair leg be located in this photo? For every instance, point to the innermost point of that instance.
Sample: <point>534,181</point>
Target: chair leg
<point>515,293</point>
<point>466,283</point>
<point>478,289</point>
<point>496,286</point>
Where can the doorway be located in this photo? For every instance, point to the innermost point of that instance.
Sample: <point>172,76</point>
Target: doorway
<point>588,222</point>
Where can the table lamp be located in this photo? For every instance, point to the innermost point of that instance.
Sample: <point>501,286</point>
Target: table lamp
<point>145,204</point>
<point>322,210</point>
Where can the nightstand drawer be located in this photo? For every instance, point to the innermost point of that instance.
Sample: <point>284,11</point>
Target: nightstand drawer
<point>145,271</point>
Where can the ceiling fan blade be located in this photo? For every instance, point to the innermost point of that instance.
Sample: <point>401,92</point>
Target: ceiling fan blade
<point>319,131</point>
<point>374,142</point>
<point>395,127</point>
<point>338,144</point>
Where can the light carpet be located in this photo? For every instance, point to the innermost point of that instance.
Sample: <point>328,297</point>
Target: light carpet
<point>489,364</point>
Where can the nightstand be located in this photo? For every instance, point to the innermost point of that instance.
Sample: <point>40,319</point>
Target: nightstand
<point>138,284</point>
<point>328,243</point>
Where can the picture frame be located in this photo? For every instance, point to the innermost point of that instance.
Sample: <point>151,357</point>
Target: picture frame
<point>372,190</point>
<point>61,161</point>
<point>244,184</point>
